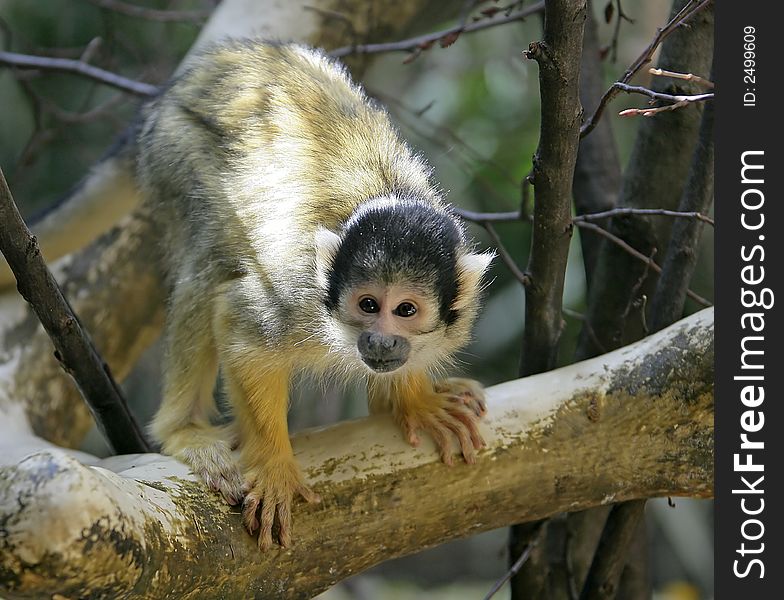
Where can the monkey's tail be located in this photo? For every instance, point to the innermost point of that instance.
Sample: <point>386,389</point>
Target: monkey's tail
<point>106,194</point>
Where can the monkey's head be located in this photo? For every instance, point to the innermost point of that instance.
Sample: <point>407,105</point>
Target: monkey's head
<point>401,285</point>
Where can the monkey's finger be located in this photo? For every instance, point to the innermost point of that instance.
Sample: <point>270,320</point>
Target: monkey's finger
<point>249,507</point>
<point>463,435</point>
<point>230,486</point>
<point>441,438</point>
<point>411,434</point>
<point>480,406</point>
<point>308,494</point>
<point>473,430</point>
<point>267,519</point>
<point>284,518</point>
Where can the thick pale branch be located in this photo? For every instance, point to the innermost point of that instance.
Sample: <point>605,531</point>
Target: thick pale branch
<point>141,526</point>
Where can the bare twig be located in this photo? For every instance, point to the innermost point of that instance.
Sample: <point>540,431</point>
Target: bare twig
<point>584,319</point>
<point>445,37</point>
<point>482,217</point>
<point>518,564</point>
<point>622,16</point>
<point>523,278</point>
<point>681,257</point>
<point>617,212</point>
<point>638,286</point>
<point>683,15</point>
<point>440,131</point>
<point>77,67</point>
<point>496,217</point>
<point>678,101</point>
<point>637,254</point>
<point>73,348</point>
<point>684,76</point>
<point>151,14</point>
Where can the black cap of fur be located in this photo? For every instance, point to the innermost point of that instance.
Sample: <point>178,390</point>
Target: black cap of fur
<point>405,241</point>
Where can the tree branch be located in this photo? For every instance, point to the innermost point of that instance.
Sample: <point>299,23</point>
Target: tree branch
<point>684,76</point>
<point>558,57</point>
<point>681,258</point>
<point>151,14</point>
<point>655,177</point>
<point>380,497</point>
<point>689,10</point>
<point>77,67</point>
<point>73,348</point>
<point>446,37</point>
<point>597,173</point>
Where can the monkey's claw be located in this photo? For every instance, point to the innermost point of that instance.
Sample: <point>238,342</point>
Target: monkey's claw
<point>469,392</point>
<point>214,464</point>
<point>454,409</point>
<point>270,491</point>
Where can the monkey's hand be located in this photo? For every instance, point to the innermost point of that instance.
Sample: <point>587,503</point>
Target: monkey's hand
<point>454,407</point>
<point>270,489</point>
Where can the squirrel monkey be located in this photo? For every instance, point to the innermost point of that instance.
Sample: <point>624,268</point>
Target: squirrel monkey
<point>300,235</point>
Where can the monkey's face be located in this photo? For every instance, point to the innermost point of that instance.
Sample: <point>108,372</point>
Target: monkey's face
<point>388,320</point>
<point>400,287</point>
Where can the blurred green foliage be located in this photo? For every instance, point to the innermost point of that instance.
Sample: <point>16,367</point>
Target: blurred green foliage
<point>54,126</point>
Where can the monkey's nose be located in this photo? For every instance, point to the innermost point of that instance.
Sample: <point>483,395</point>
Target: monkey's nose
<point>383,352</point>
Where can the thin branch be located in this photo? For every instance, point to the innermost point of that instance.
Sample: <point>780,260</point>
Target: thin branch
<point>483,217</point>
<point>77,67</point>
<point>446,37</point>
<point>441,131</point>
<point>73,348</point>
<point>518,564</point>
<point>622,16</point>
<point>681,258</point>
<point>638,89</point>
<point>684,76</point>
<point>650,112</point>
<point>637,254</point>
<point>688,11</point>
<point>523,278</point>
<point>584,319</point>
<point>152,14</point>
<point>498,217</point>
<point>616,212</point>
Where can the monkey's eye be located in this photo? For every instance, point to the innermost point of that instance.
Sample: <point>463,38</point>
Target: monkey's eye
<point>368,305</point>
<point>405,309</point>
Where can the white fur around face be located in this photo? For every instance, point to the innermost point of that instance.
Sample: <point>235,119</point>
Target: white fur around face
<point>327,243</point>
<point>470,269</point>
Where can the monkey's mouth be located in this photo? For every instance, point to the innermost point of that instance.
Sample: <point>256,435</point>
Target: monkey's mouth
<point>383,365</point>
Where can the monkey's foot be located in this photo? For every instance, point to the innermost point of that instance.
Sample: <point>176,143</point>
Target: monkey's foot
<point>270,490</point>
<point>454,408</point>
<point>216,467</point>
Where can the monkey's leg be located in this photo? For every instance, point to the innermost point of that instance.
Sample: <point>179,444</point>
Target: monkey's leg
<point>452,407</point>
<point>182,423</point>
<point>258,390</point>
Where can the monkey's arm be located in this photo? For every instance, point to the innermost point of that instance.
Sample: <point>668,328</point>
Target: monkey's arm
<point>259,392</point>
<point>446,408</point>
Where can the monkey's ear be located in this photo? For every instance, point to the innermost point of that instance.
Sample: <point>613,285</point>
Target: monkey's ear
<point>327,243</point>
<point>470,268</point>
